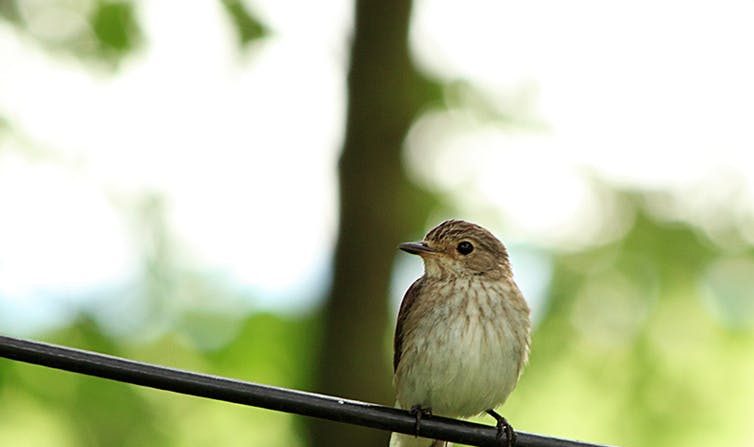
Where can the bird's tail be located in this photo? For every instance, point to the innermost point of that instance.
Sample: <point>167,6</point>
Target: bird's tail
<point>401,440</point>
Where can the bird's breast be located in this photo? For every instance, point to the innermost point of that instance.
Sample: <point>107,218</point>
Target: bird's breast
<point>464,346</point>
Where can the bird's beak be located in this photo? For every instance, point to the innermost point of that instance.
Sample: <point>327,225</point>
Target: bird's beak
<point>416,248</point>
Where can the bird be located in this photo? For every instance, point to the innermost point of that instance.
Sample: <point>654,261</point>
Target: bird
<point>463,331</point>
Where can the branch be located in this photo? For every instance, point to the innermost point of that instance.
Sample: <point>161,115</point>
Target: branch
<point>273,398</point>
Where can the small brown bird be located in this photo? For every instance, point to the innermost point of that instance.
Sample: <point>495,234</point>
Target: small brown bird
<point>462,335</point>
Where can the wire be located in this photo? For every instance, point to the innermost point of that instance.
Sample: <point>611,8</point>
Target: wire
<point>273,398</point>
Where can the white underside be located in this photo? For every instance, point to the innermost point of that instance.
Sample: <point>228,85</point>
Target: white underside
<point>466,360</point>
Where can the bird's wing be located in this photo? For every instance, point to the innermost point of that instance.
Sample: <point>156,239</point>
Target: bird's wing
<point>408,302</point>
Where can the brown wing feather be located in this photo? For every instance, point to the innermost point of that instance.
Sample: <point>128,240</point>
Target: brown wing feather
<point>408,301</point>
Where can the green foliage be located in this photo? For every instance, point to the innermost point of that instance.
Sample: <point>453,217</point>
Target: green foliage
<point>86,411</point>
<point>248,27</point>
<point>115,27</point>
<point>102,32</point>
<point>628,354</point>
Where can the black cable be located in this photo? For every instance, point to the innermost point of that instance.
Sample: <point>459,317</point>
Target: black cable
<point>273,398</point>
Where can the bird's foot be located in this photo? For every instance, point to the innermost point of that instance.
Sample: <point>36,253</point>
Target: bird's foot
<point>418,412</point>
<point>503,427</point>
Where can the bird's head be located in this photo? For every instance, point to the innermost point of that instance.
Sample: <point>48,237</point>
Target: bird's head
<point>460,248</point>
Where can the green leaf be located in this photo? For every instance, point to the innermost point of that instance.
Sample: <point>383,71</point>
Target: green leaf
<point>248,27</point>
<point>115,26</point>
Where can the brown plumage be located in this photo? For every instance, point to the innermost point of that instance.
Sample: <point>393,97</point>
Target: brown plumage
<point>462,334</point>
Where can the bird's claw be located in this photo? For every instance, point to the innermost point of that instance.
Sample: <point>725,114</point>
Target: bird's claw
<point>417,411</point>
<point>503,427</point>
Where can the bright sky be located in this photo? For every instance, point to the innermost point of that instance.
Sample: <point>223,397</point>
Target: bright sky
<point>644,94</point>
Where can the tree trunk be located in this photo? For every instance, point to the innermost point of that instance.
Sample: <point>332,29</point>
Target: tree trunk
<point>378,207</point>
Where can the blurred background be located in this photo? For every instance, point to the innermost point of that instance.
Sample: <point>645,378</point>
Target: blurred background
<point>220,186</point>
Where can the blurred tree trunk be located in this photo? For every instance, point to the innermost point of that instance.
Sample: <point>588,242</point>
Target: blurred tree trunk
<point>378,207</point>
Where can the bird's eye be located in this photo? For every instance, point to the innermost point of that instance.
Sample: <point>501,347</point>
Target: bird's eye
<point>465,247</point>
